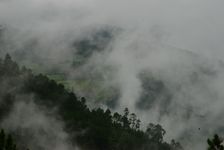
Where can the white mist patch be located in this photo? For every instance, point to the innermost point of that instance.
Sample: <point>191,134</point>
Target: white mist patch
<point>193,81</point>
<point>38,129</point>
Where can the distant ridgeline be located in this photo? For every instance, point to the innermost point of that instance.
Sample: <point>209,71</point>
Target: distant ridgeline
<point>95,129</point>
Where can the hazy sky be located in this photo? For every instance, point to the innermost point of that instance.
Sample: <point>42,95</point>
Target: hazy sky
<point>196,25</point>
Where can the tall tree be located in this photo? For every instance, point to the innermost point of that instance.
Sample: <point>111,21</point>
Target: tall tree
<point>155,132</point>
<point>126,123</point>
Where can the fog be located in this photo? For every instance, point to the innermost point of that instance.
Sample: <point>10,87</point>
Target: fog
<point>36,127</point>
<point>179,42</point>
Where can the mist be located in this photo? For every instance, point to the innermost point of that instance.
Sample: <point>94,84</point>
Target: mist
<point>175,42</point>
<point>36,127</point>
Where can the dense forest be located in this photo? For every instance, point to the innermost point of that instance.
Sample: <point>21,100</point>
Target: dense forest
<point>97,128</point>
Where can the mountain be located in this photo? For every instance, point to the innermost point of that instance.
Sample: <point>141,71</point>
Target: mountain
<point>88,128</point>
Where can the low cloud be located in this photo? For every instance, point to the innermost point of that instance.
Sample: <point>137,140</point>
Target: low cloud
<point>37,127</point>
<point>178,43</point>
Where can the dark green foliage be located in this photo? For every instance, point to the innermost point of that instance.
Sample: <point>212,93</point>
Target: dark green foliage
<point>6,141</point>
<point>215,143</point>
<point>95,129</point>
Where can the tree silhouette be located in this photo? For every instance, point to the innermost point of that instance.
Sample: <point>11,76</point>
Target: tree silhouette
<point>2,139</point>
<point>155,132</point>
<point>215,143</point>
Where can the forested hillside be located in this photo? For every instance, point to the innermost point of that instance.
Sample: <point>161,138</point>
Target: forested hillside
<point>95,129</point>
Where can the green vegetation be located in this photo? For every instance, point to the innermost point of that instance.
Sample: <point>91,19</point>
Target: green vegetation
<point>103,130</point>
<point>215,143</point>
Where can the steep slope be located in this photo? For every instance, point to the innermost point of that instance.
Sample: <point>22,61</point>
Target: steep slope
<point>90,129</point>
